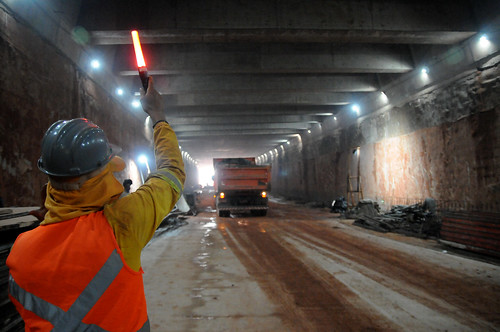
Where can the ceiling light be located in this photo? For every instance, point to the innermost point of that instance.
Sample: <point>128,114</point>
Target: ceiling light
<point>424,75</point>
<point>136,103</point>
<point>384,96</point>
<point>95,64</point>
<point>355,108</point>
<point>308,131</point>
<point>119,91</point>
<point>484,42</point>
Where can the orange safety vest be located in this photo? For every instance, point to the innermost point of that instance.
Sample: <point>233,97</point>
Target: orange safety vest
<point>71,276</point>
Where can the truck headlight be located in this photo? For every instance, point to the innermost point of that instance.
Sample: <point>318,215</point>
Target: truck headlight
<point>263,194</point>
<point>222,195</point>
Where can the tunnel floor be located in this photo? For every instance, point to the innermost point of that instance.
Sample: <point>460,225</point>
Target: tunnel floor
<point>304,269</point>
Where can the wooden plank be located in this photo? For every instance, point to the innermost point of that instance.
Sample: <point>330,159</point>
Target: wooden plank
<point>18,222</point>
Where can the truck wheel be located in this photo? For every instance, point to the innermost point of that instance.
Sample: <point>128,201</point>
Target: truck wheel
<point>224,214</point>
<point>259,212</point>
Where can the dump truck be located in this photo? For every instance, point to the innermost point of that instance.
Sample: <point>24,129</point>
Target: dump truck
<point>241,185</point>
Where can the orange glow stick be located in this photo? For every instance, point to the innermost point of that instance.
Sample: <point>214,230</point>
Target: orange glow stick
<point>141,64</point>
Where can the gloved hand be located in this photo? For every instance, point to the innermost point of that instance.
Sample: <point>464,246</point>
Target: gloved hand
<point>152,102</point>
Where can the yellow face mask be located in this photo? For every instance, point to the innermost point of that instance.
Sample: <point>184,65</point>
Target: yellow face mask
<point>93,194</point>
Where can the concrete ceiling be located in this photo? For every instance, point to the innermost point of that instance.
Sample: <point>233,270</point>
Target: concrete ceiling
<point>242,77</point>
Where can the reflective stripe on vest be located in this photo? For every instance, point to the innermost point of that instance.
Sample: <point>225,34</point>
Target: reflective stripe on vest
<point>169,177</point>
<point>71,320</point>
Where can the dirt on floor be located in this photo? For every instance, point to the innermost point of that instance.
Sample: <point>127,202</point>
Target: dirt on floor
<point>305,269</point>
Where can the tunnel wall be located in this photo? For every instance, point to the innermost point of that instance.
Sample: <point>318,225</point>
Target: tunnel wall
<point>444,144</point>
<point>38,87</point>
<point>40,83</point>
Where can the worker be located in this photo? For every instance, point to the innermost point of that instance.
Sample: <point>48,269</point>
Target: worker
<point>81,269</point>
<point>127,183</point>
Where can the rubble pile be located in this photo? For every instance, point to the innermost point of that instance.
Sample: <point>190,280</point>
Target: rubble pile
<point>365,207</point>
<point>418,220</point>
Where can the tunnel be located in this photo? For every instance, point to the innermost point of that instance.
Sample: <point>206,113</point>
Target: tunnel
<point>388,103</point>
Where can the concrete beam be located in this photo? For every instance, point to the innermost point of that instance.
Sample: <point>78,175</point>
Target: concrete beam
<point>324,14</point>
<point>204,150</point>
<point>275,83</point>
<point>246,135</point>
<point>332,98</point>
<point>223,126</point>
<point>198,21</point>
<point>247,120</point>
<point>196,59</point>
<point>241,110</point>
<point>207,147</point>
<point>177,36</point>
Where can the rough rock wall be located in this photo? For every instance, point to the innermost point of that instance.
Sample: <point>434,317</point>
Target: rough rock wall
<point>38,86</point>
<point>443,144</point>
<point>454,163</point>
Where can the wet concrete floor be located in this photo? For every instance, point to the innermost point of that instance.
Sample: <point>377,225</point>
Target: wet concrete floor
<point>304,269</point>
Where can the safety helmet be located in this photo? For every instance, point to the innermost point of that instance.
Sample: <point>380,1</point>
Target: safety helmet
<point>74,147</point>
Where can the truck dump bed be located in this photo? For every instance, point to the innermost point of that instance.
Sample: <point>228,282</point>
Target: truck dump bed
<point>244,178</point>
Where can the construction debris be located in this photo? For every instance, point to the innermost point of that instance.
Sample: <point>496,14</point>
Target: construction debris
<point>339,205</point>
<point>13,221</point>
<point>365,207</point>
<point>418,220</point>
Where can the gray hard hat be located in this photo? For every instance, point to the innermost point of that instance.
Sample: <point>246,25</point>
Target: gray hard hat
<point>73,148</point>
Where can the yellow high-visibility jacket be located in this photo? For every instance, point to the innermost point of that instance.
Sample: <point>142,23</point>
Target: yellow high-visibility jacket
<point>74,249</point>
<point>135,217</point>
